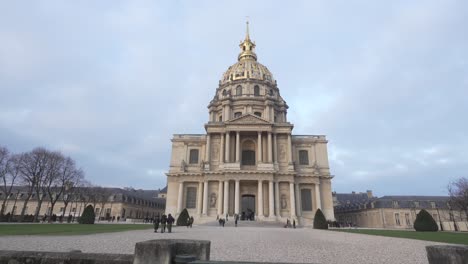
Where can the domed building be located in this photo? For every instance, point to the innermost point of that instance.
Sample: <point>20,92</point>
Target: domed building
<point>248,163</point>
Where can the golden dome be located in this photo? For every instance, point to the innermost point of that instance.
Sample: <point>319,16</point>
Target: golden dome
<point>247,66</point>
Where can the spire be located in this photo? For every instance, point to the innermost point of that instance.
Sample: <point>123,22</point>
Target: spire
<point>247,36</point>
<point>247,46</point>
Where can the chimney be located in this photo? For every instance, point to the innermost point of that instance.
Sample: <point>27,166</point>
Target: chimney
<point>369,194</point>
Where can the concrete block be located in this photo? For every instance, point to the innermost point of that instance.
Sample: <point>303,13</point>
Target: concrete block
<point>164,251</point>
<point>447,254</point>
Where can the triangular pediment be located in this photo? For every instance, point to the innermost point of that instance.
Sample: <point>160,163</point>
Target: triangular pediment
<point>248,119</point>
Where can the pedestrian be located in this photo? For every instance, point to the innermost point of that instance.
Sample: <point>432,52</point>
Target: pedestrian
<point>188,222</point>
<point>191,221</point>
<point>236,218</point>
<point>227,217</point>
<point>163,223</point>
<point>223,222</point>
<point>170,221</point>
<point>156,223</point>
<point>294,223</point>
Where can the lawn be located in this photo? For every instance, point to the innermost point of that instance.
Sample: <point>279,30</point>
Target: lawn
<point>66,229</point>
<point>445,237</point>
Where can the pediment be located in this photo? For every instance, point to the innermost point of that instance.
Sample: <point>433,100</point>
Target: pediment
<point>248,119</point>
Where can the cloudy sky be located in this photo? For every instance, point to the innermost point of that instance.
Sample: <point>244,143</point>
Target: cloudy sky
<point>109,82</point>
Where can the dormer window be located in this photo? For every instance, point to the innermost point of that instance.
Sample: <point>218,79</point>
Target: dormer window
<point>239,90</point>
<point>256,90</point>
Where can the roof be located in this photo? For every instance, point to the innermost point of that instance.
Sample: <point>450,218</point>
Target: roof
<point>360,201</point>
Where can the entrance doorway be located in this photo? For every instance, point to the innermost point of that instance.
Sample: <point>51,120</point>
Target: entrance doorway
<point>248,207</point>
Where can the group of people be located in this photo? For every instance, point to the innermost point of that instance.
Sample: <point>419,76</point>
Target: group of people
<point>165,221</point>
<point>222,221</point>
<point>288,224</point>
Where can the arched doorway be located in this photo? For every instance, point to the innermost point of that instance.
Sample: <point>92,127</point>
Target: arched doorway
<point>248,207</point>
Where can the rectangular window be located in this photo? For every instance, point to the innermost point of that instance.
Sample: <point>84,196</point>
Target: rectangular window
<point>397,219</point>
<point>97,210</point>
<point>193,156</point>
<point>416,204</point>
<point>191,197</point>
<point>395,204</point>
<point>61,209</point>
<point>303,157</point>
<point>433,205</point>
<point>306,199</point>
<point>408,222</point>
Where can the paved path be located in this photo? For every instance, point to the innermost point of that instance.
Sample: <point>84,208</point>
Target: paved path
<point>246,244</point>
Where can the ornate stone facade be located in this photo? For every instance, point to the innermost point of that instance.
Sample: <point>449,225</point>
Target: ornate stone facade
<point>248,162</point>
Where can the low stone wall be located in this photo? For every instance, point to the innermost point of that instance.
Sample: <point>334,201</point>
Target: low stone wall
<point>447,254</point>
<point>37,257</point>
<point>161,251</point>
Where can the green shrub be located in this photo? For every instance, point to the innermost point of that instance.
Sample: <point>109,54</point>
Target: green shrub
<point>182,220</point>
<point>88,215</point>
<point>319,220</point>
<point>425,222</point>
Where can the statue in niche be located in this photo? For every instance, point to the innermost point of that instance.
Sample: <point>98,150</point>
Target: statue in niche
<point>202,165</point>
<point>282,152</point>
<point>213,200</point>
<point>284,203</point>
<point>183,166</point>
<point>215,152</point>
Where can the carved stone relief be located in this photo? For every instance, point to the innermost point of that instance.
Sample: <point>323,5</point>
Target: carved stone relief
<point>282,152</point>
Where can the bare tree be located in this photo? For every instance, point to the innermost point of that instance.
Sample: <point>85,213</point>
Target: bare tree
<point>103,198</point>
<point>52,184</point>
<point>458,191</point>
<point>7,185</point>
<point>71,190</point>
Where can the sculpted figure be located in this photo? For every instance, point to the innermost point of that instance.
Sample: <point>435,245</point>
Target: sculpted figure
<point>183,166</point>
<point>213,200</point>
<point>284,203</point>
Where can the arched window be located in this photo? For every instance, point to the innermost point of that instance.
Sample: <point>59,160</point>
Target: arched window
<point>191,197</point>
<point>303,157</point>
<point>306,200</point>
<point>256,90</point>
<point>220,118</point>
<point>239,90</point>
<point>193,159</point>
<point>224,93</point>
<point>237,114</point>
<point>258,114</point>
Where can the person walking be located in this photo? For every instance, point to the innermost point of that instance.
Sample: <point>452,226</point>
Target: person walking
<point>163,223</point>
<point>236,218</point>
<point>294,223</point>
<point>191,221</point>
<point>170,221</point>
<point>156,223</point>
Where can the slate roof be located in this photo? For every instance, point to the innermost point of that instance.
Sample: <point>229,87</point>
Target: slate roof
<point>358,201</point>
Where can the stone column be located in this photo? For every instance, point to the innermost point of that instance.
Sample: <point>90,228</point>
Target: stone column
<point>237,146</point>
<point>298,200</point>
<point>271,209</point>
<point>317,197</point>
<point>220,198</point>
<point>236,197</point>
<point>205,198</point>
<point>259,147</point>
<point>208,147</point>
<point>228,143</point>
<point>200,198</point>
<point>277,200</point>
<point>289,149</point>
<point>292,205</point>
<point>221,151</point>
<point>260,198</point>
<point>275,144</point>
<point>180,196</point>
<point>226,198</point>
<point>270,152</point>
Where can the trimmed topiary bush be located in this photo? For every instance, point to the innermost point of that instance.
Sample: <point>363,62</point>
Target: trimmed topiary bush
<point>319,220</point>
<point>425,222</point>
<point>88,216</point>
<point>182,220</point>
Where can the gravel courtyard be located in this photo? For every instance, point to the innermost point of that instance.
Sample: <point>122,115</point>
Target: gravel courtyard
<point>273,244</point>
